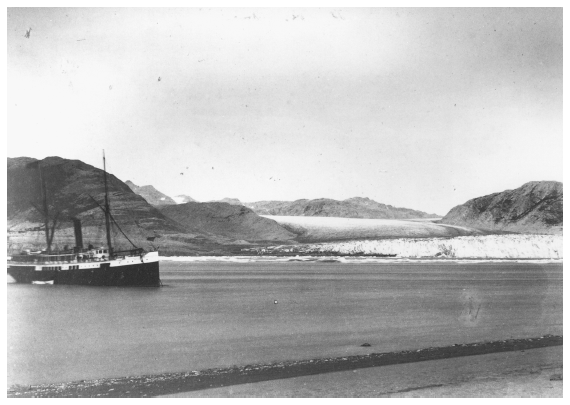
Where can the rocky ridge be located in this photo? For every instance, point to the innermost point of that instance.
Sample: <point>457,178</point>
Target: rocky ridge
<point>356,207</point>
<point>150,194</point>
<point>535,207</point>
<point>232,201</point>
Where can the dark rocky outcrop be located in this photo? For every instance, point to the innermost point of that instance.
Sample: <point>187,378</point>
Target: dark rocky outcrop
<point>356,207</point>
<point>535,207</point>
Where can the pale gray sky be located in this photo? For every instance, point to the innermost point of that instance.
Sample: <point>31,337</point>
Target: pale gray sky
<point>418,108</point>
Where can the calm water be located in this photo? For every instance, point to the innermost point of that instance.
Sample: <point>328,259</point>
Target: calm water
<point>220,314</point>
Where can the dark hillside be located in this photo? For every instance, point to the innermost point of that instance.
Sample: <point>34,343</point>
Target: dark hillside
<point>535,207</point>
<point>232,221</point>
<point>69,185</point>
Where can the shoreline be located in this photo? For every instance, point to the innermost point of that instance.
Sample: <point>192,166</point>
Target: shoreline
<point>364,257</point>
<point>535,373</point>
<point>354,259</point>
<point>170,383</point>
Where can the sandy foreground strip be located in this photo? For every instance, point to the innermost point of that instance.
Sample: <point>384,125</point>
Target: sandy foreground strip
<point>171,383</point>
<point>535,373</point>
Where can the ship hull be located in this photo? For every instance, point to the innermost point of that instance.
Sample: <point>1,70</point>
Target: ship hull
<point>28,274</point>
<point>136,275</point>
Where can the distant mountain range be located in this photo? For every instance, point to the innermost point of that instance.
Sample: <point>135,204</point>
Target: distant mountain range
<point>150,194</point>
<point>151,218</point>
<point>535,207</point>
<point>356,207</point>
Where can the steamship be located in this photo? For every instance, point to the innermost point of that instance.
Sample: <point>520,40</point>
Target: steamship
<point>94,266</point>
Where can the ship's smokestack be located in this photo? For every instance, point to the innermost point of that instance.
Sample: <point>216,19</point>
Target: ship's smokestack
<point>78,234</point>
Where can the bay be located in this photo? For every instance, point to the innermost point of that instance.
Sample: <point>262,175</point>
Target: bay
<point>218,314</point>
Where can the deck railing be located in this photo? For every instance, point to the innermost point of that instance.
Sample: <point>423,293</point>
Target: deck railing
<point>73,257</point>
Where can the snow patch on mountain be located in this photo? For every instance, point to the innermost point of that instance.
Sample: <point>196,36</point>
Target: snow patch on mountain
<point>183,199</point>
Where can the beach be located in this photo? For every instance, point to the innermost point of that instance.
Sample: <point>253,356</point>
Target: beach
<point>481,358</point>
<point>533,373</point>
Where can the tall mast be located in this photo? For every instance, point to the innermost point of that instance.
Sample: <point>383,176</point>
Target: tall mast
<point>107,209</point>
<point>45,207</point>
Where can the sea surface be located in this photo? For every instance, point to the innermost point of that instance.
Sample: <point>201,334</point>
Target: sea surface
<point>218,314</point>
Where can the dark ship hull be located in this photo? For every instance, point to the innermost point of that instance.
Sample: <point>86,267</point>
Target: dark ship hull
<point>136,273</point>
<point>29,275</point>
<point>139,275</point>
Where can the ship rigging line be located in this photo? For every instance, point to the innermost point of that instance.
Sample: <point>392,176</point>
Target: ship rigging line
<point>49,232</point>
<point>115,222</point>
<point>107,209</point>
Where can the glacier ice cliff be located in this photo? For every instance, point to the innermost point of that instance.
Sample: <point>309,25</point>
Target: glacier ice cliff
<point>484,247</point>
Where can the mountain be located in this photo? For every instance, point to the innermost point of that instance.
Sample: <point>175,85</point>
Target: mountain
<point>535,207</point>
<point>150,194</point>
<point>232,201</point>
<point>356,207</point>
<point>231,221</point>
<point>183,198</point>
<point>388,210</point>
<point>76,189</point>
<point>268,207</point>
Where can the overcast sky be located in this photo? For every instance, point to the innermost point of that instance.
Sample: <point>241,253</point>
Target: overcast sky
<point>418,108</point>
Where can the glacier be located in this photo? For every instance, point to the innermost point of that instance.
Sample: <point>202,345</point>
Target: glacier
<point>511,246</point>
